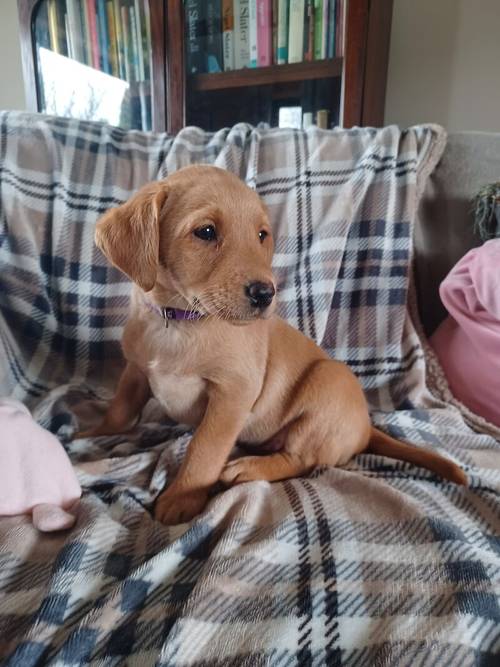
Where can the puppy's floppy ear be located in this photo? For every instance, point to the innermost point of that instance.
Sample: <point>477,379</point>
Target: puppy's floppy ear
<point>129,235</point>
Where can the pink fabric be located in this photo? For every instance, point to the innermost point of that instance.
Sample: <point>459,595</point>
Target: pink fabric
<point>34,468</point>
<point>468,341</point>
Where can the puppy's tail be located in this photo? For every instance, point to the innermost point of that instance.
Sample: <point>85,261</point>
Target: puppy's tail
<point>382,444</point>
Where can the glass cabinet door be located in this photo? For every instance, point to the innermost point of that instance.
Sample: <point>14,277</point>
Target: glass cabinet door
<point>277,62</point>
<point>93,60</point>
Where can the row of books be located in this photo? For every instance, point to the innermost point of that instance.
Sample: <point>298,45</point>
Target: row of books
<point>110,35</point>
<point>224,35</point>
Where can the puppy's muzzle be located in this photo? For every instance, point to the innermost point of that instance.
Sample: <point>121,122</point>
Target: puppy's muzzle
<point>260,294</point>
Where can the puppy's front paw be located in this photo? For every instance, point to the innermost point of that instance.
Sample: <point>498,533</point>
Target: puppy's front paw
<point>173,507</point>
<point>240,471</point>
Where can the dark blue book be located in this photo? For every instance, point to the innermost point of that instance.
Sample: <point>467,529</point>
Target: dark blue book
<point>196,36</point>
<point>330,35</point>
<point>215,62</point>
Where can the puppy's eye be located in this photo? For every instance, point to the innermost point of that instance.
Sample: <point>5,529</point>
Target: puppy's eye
<point>206,233</point>
<point>263,235</point>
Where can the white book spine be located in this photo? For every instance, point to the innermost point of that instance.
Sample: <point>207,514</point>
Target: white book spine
<point>296,31</point>
<point>242,34</point>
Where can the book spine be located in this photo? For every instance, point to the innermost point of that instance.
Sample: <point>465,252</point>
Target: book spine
<point>324,32</point>
<point>127,56</point>
<point>296,31</point>
<point>119,38</point>
<point>195,19</point>
<point>148,52</point>
<point>102,24</point>
<point>252,33</point>
<point>94,40</point>
<point>75,28</point>
<point>112,45</point>
<point>228,34</point>
<point>139,20</point>
<point>86,45</point>
<point>242,34</point>
<point>84,33</point>
<point>274,43</point>
<point>331,30</point>
<point>134,42</point>
<point>53,27</point>
<point>264,32</point>
<point>339,28</point>
<point>61,29</point>
<point>282,48</point>
<point>68,37</point>
<point>318,28</point>
<point>214,36</point>
<point>309,31</point>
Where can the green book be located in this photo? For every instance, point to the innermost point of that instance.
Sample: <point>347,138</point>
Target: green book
<point>318,29</point>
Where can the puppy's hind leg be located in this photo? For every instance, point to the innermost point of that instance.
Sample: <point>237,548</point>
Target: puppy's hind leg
<point>131,396</point>
<point>292,461</point>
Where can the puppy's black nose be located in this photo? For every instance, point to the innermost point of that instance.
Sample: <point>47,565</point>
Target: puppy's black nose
<point>260,294</point>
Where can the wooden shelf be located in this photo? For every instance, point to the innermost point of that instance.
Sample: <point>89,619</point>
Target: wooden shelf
<point>261,76</point>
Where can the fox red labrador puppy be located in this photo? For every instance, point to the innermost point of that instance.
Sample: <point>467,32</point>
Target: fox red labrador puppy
<point>202,337</point>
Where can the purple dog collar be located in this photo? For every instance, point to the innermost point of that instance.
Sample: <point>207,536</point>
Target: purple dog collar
<point>174,313</point>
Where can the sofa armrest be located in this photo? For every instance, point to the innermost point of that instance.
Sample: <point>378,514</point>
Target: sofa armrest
<point>445,227</point>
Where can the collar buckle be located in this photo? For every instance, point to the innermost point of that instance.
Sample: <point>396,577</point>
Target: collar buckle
<point>168,314</point>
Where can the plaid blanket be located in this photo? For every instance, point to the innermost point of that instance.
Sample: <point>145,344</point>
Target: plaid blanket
<point>378,563</point>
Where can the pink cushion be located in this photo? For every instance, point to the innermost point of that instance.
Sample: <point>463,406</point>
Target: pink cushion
<point>34,467</point>
<point>468,341</point>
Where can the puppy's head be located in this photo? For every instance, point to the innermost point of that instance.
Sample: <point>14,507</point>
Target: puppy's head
<point>201,234</point>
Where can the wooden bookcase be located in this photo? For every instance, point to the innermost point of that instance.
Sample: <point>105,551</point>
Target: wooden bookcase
<point>357,80</point>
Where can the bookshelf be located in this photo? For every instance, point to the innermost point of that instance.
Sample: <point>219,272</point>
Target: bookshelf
<point>146,64</point>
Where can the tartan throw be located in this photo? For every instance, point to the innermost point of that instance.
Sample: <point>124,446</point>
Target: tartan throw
<point>378,563</point>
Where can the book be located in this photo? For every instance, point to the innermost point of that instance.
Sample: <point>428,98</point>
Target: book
<point>68,37</point>
<point>215,61</point>
<point>264,33</point>
<point>112,43</point>
<point>148,52</point>
<point>139,20</point>
<point>241,34</point>
<point>228,34</point>
<point>75,29</point>
<point>339,28</point>
<point>324,29</point>
<point>94,39</point>
<point>296,31</point>
<point>53,26</point>
<point>309,31</point>
<point>330,52</point>
<point>196,36</point>
<point>86,43</point>
<point>282,47</point>
<point>318,28</point>
<point>127,56</point>
<point>120,52</point>
<point>274,18</point>
<point>252,32</point>
<point>134,42</point>
<point>102,28</point>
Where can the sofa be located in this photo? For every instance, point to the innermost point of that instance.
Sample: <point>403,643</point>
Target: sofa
<point>375,563</point>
